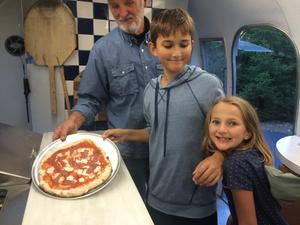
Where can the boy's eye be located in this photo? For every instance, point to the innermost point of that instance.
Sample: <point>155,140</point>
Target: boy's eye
<point>184,44</point>
<point>167,44</point>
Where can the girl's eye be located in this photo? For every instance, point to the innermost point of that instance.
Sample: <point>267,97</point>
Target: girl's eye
<point>232,123</point>
<point>215,122</point>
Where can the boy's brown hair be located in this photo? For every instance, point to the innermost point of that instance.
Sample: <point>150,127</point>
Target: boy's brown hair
<point>169,21</point>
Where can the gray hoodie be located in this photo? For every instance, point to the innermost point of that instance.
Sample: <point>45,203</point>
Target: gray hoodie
<point>175,115</point>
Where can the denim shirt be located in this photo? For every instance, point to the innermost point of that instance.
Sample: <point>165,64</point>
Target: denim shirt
<point>116,74</point>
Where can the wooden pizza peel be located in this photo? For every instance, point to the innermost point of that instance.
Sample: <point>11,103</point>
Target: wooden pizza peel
<point>50,38</point>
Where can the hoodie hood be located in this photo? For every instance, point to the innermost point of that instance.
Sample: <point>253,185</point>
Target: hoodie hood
<point>188,73</point>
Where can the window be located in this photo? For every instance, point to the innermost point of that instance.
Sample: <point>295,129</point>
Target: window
<point>266,74</point>
<point>213,57</point>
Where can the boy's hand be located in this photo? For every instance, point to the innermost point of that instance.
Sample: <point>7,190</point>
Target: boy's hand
<point>209,170</point>
<point>116,135</point>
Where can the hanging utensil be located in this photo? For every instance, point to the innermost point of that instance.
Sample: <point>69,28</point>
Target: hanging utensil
<point>49,34</point>
<point>64,85</point>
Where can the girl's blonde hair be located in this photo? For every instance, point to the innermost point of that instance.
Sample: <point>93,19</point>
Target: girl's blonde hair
<point>252,124</point>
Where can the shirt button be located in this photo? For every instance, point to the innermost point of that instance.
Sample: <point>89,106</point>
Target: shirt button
<point>146,67</point>
<point>123,72</point>
<point>142,50</point>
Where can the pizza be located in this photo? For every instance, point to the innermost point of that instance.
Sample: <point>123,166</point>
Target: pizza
<point>74,169</point>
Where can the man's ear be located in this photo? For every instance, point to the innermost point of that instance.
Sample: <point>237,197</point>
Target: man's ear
<point>152,48</point>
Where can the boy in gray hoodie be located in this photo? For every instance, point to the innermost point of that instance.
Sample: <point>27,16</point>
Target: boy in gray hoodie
<point>175,106</point>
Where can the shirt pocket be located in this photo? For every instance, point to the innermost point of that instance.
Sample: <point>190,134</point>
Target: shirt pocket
<point>124,80</point>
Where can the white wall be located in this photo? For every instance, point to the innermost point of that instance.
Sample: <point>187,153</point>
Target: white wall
<point>12,99</point>
<point>291,9</point>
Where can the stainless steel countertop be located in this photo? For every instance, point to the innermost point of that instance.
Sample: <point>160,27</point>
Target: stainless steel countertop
<point>13,209</point>
<point>16,159</point>
<point>16,147</point>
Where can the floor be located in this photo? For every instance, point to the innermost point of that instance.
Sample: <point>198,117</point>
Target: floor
<point>223,211</point>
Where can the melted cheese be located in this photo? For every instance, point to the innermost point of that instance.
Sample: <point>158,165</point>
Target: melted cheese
<point>50,170</point>
<point>70,178</point>
<point>68,168</point>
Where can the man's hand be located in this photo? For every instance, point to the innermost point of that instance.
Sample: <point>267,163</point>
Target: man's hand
<point>209,170</point>
<point>70,126</point>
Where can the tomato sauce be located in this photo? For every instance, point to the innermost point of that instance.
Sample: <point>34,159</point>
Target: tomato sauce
<point>72,163</point>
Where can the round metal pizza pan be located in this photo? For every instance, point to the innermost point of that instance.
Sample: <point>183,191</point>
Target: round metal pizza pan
<point>111,151</point>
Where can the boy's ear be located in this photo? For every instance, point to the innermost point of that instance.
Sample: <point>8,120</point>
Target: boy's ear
<point>152,48</point>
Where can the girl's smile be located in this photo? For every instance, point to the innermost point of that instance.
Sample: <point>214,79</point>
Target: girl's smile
<point>227,129</point>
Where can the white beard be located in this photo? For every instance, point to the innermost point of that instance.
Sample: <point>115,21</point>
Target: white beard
<point>135,26</point>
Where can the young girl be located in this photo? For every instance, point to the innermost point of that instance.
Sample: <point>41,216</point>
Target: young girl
<point>232,127</point>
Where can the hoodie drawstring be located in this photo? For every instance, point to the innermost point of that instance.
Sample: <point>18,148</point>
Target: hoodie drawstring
<point>166,122</point>
<point>156,107</point>
<point>156,114</point>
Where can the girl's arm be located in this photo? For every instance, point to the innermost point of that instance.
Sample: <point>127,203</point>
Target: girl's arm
<point>120,135</point>
<point>244,206</point>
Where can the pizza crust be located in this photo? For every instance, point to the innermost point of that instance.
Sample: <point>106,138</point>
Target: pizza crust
<point>79,190</point>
